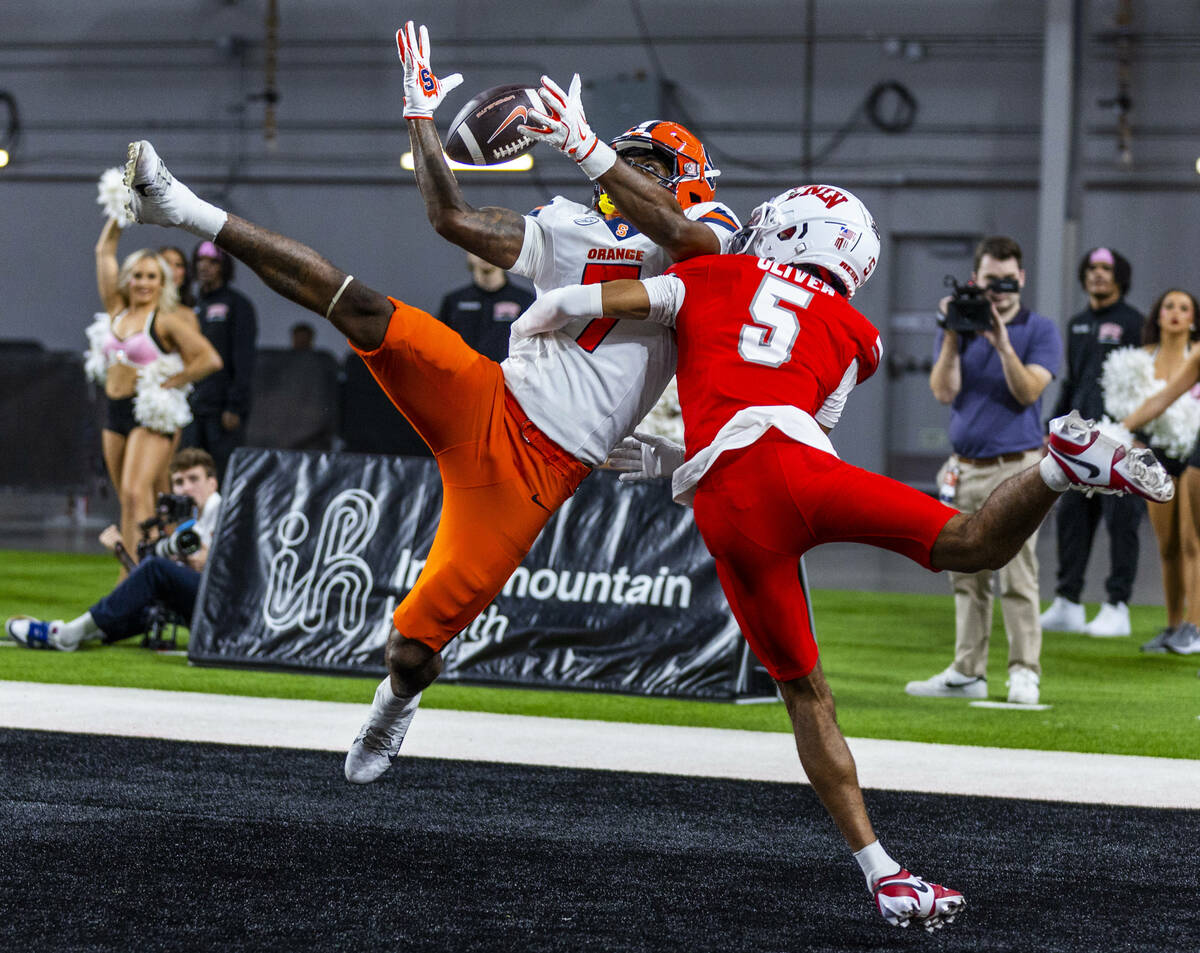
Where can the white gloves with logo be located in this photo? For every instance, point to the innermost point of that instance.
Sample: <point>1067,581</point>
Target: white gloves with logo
<point>564,126</point>
<point>423,92</point>
<point>558,308</point>
<point>645,456</point>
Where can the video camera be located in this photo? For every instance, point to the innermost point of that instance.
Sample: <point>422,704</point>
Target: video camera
<point>170,509</point>
<point>969,310</point>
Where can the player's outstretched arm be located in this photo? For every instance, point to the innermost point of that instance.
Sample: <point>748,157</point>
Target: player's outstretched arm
<point>626,298</point>
<point>655,213</point>
<point>651,208</point>
<point>495,234</point>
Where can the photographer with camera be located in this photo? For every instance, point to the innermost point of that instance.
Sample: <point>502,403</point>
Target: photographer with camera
<point>171,556</point>
<point>994,360</point>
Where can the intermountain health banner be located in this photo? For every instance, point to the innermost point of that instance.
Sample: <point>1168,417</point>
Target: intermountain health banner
<point>315,550</point>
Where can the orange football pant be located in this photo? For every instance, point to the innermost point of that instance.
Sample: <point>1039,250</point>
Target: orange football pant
<point>501,476</point>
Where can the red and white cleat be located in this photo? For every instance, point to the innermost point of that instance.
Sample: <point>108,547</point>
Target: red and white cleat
<point>905,898</point>
<point>1097,463</point>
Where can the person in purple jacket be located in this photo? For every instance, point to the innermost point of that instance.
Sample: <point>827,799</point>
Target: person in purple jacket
<point>993,381</point>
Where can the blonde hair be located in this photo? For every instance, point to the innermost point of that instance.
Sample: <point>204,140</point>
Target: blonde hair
<point>168,297</point>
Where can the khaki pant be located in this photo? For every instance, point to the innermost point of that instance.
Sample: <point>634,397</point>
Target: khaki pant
<point>1017,582</point>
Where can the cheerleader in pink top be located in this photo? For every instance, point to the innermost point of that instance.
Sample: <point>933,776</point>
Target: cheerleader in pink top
<point>145,351</point>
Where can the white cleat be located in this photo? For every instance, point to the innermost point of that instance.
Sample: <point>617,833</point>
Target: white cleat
<point>149,182</point>
<point>379,740</point>
<point>905,898</point>
<point>157,198</point>
<point>1094,462</point>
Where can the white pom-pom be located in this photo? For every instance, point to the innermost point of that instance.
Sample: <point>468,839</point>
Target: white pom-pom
<point>160,408</point>
<point>1116,430</point>
<point>95,364</point>
<point>1128,380</point>
<point>114,196</point>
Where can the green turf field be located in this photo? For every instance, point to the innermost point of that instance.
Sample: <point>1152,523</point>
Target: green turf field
<point>1106,696</point>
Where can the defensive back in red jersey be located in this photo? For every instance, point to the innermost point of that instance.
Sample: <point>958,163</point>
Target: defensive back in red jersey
<point>755,333</point>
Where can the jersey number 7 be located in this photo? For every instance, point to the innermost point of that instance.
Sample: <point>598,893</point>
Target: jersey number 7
<point>769,337</point>
<point>597,329</point>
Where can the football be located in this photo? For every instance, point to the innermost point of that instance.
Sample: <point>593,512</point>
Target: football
<point>485,130</point>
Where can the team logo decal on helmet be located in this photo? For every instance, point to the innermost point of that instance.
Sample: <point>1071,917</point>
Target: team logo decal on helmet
<point>692,180</point>
<point>819,225</point>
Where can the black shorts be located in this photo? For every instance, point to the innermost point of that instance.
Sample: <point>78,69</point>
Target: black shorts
<point>120,416</point>
<point>1172,465</point>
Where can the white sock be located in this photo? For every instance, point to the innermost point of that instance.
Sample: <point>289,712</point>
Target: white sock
<point>874,862</point>
<point>389,702</point>
<point>204,219</point>
<point>76,631</point>
<point>1052,474</point>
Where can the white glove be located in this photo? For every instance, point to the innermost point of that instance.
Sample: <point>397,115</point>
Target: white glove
<point>645,456</point>
<point>423,91</point>
<point>558,308</point>
<point>564,126</point>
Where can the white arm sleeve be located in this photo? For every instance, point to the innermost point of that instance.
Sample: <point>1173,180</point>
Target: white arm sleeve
<point>533,251</point>
<point>666,298</point>
<point>831,411</point>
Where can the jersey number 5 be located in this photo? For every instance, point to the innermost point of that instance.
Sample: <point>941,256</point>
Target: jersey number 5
<point>597,329</point>
<point>775,307</point>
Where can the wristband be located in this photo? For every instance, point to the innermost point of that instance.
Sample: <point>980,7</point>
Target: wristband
<point>602,158</point>
<point>594,297</point>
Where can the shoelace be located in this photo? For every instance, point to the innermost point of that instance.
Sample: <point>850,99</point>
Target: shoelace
<point>378,739</point>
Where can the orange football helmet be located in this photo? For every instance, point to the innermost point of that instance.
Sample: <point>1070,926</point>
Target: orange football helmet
<point>694,172</point>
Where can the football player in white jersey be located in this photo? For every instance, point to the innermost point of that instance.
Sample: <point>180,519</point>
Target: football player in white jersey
<point>588,385</point>
<point>511,443</point>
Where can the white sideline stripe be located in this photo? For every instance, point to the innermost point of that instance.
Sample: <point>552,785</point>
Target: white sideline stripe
<point>572,743</point>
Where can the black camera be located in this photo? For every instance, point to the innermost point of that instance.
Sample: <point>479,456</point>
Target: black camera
<point>170,509</point>
<point>969,310</point>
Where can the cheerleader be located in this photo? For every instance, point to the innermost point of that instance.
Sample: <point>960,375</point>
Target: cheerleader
<point>1147,389</point>
<point>145,350</point>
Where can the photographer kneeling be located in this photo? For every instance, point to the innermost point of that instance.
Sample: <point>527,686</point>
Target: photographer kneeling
<point>994,360</point>
<point>168,571</point>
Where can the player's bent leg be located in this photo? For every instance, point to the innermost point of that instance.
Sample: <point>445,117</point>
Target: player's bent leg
<point>991,536</point>
<point>484,533</point>
<point>453,396</point>
<point>288,267</point>
<point>825,756</point>
<point>298,273</point>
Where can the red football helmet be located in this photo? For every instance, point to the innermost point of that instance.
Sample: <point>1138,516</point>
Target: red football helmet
<point>694,172</point>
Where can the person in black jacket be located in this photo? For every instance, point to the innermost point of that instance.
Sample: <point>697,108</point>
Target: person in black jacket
<point>221,402</point>
<point>483,311</point>
<point>1107,323</point>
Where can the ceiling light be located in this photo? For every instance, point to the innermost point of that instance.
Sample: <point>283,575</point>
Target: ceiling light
<point>519,164</point>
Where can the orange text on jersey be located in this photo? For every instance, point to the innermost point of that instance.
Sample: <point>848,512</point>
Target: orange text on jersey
<point>616,254</point>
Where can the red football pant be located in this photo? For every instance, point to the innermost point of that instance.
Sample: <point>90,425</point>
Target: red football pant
<point>761,508</point>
